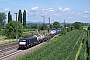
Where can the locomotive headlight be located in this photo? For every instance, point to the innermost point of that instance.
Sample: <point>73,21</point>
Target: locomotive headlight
<point>22,43</point>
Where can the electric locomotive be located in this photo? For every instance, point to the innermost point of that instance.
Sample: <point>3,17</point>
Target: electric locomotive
<point>27,42</point>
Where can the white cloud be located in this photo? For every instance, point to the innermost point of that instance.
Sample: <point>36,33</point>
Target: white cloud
<point>34,8</point>
<point>87,11</point>
<point>74,12</point>
<point>85,16</point>
<point>65,13</point>
<point>79,13</point>
<point>28,12</point>
<point>60,9</point>
<point>38,9</point>
<point>49,9</point>
<point>66,10</point>
<point>7,9</point>
<point>56,14</point>
<point>69,17</point>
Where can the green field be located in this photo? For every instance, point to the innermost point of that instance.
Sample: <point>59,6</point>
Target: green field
<point>71,46</point>
<point>88,44</point>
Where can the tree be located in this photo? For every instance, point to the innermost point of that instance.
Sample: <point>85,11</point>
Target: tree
<point>51,27</point>
<point>20,16</point>
<point>72,27</point>
<point>56,25</point>
<point>63,31</point>
<point>10,30</point>
<point>34,26</point>
<point>78,25</point>
<point>68,29</point>
<point>24,18</point>
<point>9,17</point>
<point>2,19</point>
<point>43,27</point>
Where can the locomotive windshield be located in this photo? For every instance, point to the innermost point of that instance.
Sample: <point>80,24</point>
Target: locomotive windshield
<point>21,40</point>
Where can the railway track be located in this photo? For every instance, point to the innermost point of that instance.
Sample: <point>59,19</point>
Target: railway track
<point>5,56</point>
<point>6,51</point>
<point>11,51</point>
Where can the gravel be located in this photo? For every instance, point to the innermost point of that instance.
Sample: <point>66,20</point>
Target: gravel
<point>23,52</point>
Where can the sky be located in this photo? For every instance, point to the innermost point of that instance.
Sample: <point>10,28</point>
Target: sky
<point>58,10</point>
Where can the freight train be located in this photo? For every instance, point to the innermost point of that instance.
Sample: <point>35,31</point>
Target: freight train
<point>27,42</point>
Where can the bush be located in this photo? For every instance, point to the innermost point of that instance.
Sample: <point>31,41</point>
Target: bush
<point>10,30</point>
<point>25,34</point>
<point>78,25</point>
<point>27,30</point>
<point>64,31</point>
<point>68,29</point>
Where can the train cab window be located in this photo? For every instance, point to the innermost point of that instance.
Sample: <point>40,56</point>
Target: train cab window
<point>29,41</point>
<point>22,40</point>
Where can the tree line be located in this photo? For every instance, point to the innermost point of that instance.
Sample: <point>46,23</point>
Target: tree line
<point>2,19</point>
<point>21,19</point>
<point>10,28</point>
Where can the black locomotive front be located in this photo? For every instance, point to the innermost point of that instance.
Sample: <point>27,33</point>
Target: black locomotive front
<point>27,42</point>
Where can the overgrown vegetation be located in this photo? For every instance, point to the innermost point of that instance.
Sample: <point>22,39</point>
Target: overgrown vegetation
<point>10,30</point>
<point>67,47</point>
<point>78,25</point>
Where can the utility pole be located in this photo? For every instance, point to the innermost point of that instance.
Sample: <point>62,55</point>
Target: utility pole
<point>43,19</point>
<point>64,24</point>
<point>49,20</point>
<point>49,25</point>
<point>43,23</point>
<point>16,28</point>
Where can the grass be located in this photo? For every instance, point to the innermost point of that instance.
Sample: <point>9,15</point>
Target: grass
<point>28,33</point>
<point>79,50</point>
<point>2,37</point>
<point>60,48</point>
<point>5,41</point>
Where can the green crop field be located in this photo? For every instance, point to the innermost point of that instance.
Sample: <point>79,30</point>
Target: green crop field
<point>72,46</point>
<point>88,45</point>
